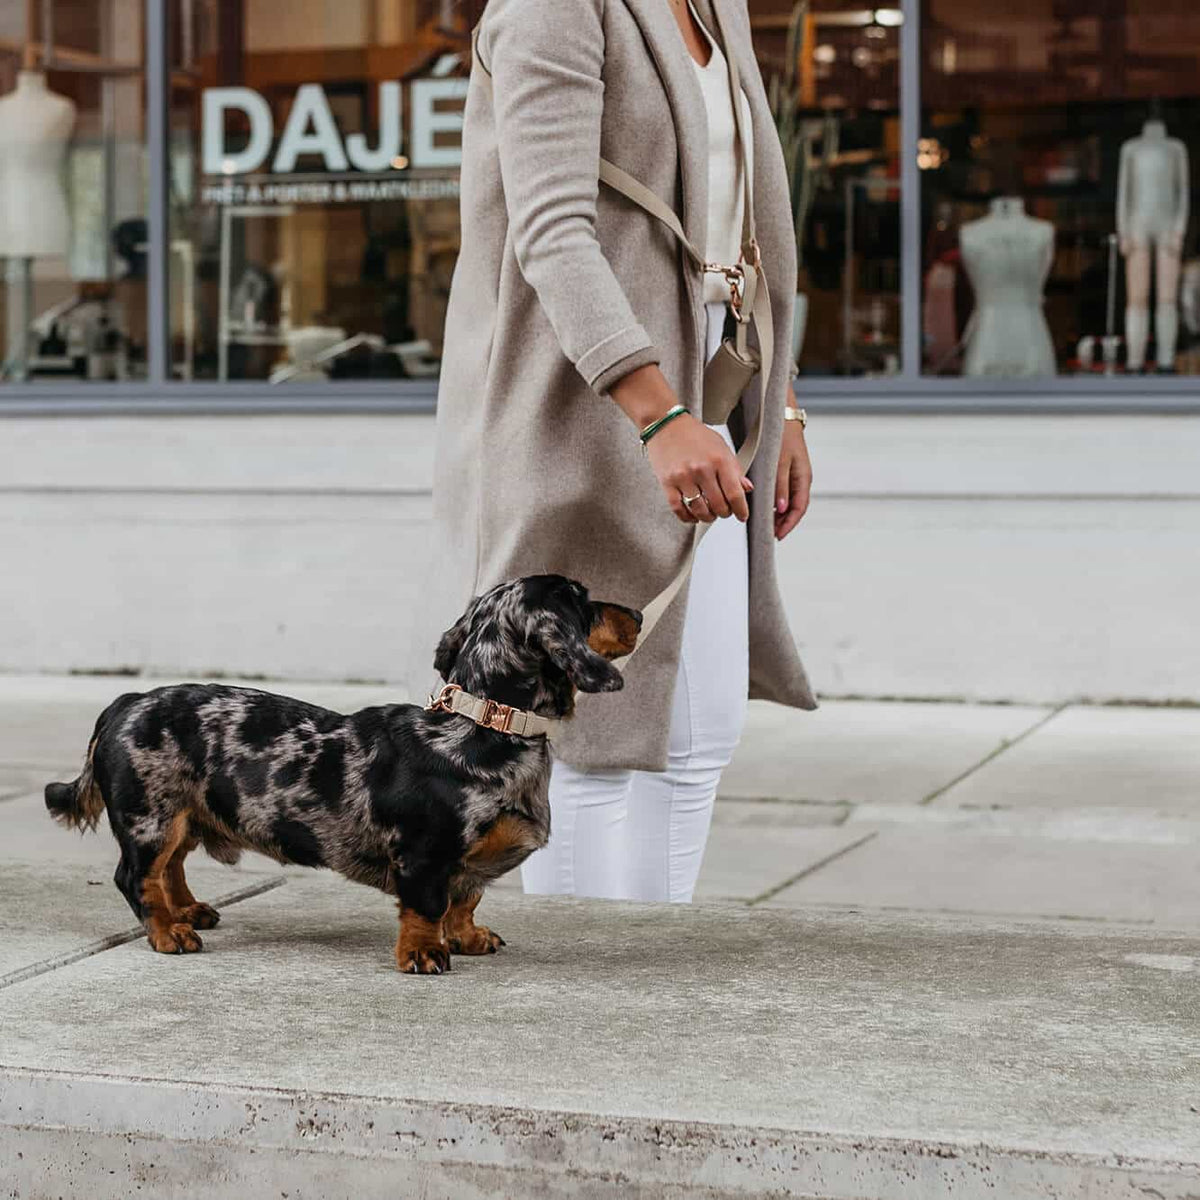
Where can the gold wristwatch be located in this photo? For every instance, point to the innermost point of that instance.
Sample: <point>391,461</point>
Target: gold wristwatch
<point>792,413</point>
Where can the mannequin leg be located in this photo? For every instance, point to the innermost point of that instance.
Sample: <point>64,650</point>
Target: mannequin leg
<point>1166,317</point>
<point>1137,311</point>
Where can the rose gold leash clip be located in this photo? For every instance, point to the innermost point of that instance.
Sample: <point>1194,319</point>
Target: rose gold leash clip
<point>441,702</point>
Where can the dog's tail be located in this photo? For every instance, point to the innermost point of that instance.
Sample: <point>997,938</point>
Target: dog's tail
<point>78,804</point>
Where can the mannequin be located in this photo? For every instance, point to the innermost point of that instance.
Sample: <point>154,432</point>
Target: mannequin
<point>1007,256</point>
<point>35,126</point>
<point>1152,218</point>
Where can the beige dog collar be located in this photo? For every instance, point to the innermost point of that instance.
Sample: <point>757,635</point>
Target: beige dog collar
<point>503,718</point>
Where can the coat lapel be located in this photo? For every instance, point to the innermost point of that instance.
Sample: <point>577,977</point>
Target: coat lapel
<point>675,68</point>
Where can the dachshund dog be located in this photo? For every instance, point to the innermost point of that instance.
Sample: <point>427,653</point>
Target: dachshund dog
<point>426,804</point>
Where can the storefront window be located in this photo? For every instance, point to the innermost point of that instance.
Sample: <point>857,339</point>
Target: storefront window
<point>242,192</point>
<point>833,75</point>
<point>315,155</point>
<point>1059,151</point>
<point>72,191</point>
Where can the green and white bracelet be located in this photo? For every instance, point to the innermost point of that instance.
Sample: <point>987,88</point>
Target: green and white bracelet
<point>654,426</point>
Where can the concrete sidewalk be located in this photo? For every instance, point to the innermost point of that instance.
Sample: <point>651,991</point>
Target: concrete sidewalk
<point>937,950</point>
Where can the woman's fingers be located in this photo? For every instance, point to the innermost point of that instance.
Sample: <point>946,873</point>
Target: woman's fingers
<point>710,485</point>
<point>729,476</point>
<point>783,491</point>
<point>692,460</point>
<point>681,510</point>
<point>800,485</point>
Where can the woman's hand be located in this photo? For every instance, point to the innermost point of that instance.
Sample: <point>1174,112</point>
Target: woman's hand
<point>793,478</point>
<point>690,459</point>
<point>687,456</point>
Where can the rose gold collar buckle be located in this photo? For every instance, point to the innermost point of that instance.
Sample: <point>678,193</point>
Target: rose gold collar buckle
<point>496,716</point>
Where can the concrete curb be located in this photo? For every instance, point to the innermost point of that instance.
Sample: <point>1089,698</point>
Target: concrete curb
<point>104,1135</point>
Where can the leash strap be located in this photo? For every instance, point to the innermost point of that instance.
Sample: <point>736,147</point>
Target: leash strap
<point>752,302</point>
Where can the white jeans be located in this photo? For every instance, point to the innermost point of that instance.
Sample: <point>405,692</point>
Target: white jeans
<point>640,835</point>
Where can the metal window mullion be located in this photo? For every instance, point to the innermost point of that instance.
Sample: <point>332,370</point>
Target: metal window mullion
<point>910,190</point>
<point>157,213</point>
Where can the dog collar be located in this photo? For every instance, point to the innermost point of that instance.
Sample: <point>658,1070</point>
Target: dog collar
<point>503,718</point>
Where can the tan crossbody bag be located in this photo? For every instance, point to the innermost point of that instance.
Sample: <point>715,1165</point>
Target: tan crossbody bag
<point>734,363</point>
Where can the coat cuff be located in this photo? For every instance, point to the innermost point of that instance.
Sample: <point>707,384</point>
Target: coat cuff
<point>604,364</point>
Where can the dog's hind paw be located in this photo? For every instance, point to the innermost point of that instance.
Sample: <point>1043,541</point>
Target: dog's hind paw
<point>479,939</point>
<point>175,939</point>
<point>423,960</point>
<point>200,916</point>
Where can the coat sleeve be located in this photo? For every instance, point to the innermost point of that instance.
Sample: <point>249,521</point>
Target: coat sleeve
<point>545,59</point>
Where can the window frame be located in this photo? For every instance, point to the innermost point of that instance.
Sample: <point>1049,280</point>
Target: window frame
<point>908,392</point>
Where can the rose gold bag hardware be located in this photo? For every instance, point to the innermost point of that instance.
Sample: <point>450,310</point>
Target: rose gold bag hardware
<point>735,276</point>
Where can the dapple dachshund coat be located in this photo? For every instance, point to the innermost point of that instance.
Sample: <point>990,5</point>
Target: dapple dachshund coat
<point>427,806</point>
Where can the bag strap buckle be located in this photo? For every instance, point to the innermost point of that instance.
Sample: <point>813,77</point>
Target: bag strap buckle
<point>735,276</point>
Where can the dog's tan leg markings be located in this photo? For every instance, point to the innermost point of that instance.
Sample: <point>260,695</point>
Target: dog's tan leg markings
<point>507,843</point>
<point>166,931</point>
<point>463,935</point>
<point>188,910</point>
<point>421,947</point>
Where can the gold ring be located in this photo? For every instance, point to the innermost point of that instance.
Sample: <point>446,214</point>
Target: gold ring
<point>689,500</point>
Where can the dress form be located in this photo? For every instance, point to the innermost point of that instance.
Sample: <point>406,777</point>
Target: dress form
<point>35,127</point>
<point>1152,216</point>
<point>1007,256</point>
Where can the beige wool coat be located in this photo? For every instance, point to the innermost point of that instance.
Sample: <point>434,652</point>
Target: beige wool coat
<point>562,286</point>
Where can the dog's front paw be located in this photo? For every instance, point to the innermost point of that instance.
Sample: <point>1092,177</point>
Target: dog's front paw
<point>479,939</point>
<point>200,916</point>
<point>175,939</point>
<point>423,960</point>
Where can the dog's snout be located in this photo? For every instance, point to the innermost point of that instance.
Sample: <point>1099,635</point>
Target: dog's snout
<point>616,629</point>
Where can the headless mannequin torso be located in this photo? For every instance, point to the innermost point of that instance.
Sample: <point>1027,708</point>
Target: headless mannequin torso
<point>1152,218</point>
<point>35,126</point>
<point>1007,256</point>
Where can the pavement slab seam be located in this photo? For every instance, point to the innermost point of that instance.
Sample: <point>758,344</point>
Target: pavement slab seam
<point>1114,924</point>
<point>112,941</point>
<point>1095,824</point>
<point>1005,745</point>
<point>840,810</point>
<point>811,869</point>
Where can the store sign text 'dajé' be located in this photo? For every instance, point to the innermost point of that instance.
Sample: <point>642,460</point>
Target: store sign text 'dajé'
<point>310,129</point>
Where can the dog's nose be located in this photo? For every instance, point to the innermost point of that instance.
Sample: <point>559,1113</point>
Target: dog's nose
<point>637,616</point>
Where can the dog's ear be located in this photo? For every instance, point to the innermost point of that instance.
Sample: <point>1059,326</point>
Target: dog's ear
<point>451,642</point>
<point>587,670</point>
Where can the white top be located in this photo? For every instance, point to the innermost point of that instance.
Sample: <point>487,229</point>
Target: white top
<point>725,188</point>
